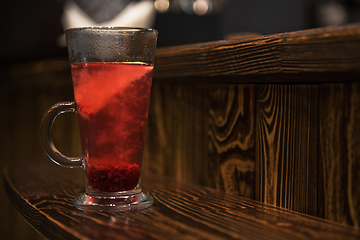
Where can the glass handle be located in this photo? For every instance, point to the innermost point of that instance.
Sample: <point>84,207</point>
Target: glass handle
<point>45,129</point>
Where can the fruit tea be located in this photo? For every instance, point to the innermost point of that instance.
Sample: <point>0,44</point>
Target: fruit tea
<point>112,101</point>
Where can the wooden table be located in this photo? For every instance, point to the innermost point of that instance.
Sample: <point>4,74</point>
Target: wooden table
<point>43,195</point>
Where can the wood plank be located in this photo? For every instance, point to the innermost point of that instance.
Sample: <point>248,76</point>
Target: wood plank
<point>208,132</point>
<point>340,152</point>
<point>291,55</point>
<point>286,146</point>
<point>43,195</point>
<point>231,138</point>
<point>176,143</point>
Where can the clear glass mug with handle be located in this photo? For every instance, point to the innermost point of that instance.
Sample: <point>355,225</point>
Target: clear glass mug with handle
<point>111,69</point>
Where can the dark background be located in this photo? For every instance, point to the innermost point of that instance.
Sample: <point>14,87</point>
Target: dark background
<point>30,28</point>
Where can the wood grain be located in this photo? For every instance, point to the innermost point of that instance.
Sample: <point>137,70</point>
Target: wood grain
<point>340,152</point>
<point>231,137</point>
<point>43,195</point>
<point>292,55</point>
<point>176,137</point>
<point>207,130</point>
<point>286,146</point>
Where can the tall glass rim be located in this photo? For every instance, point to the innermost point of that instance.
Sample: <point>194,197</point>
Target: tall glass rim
<point>112,28</point>
<point>111,44</point>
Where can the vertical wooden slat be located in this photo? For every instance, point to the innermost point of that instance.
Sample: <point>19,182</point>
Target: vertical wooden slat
<point>286,146</point>
<point>231,135</point>
<point>340,151</point>
<point>203,133</point>
<point>159,140</point>
<point>176,143</point>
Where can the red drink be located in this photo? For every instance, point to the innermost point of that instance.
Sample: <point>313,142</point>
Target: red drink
<point>112,107</point>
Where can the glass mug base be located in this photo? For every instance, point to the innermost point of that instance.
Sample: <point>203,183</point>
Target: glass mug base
<point>138,201</point>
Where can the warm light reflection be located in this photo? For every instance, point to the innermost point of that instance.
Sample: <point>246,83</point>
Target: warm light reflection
<point>162,5</point>
<point>201,7</point>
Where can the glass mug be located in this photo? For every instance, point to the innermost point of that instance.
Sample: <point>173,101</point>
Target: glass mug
<point>111,69</point>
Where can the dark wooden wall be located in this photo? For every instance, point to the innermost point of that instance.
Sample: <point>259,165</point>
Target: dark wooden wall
<point>291,145</point>
<point>205,134</point>
<point>339,153</point>
<point>273,118</point>
<point>27,90</point>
